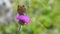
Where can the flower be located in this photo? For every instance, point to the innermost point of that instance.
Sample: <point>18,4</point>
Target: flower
<point>24,18</point>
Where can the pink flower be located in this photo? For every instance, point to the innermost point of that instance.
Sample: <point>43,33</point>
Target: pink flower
<point>24,18</point>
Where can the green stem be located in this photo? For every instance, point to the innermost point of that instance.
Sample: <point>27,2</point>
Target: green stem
<point>19,29</point>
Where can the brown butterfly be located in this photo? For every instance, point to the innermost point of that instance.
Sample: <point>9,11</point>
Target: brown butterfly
<point>21,9</point>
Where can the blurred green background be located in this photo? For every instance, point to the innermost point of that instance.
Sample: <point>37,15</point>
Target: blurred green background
<point>44,14</point>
